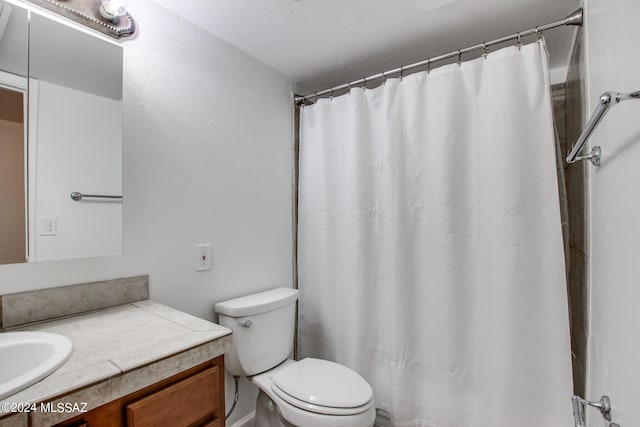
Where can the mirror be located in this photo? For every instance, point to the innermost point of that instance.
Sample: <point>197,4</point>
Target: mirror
<point>14,65</point>
<point>73,141</point>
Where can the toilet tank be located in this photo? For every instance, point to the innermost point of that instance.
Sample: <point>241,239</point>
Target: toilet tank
<point>262,326</point>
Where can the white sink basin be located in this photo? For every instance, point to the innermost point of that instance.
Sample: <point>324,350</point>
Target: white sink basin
<point>28,357</point>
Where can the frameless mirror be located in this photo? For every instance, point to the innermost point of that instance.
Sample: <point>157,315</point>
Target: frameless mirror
<point>73,145</point>
<point>14,65</point>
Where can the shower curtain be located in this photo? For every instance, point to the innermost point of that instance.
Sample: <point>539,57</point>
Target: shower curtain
<point>430,246</point>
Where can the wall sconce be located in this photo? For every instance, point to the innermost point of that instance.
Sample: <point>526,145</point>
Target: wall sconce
<point>107,16</point>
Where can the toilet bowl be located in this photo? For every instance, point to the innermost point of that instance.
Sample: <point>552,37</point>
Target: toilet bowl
<point>313,393</point>
<point>306,393</point>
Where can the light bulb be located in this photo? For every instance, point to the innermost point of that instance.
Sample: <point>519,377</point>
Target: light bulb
<point>112,9</point>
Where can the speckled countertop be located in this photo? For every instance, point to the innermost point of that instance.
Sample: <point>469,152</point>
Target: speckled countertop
<point>116,345</point>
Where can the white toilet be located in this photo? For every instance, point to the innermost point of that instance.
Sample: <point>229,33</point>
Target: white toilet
<point>306,393</point>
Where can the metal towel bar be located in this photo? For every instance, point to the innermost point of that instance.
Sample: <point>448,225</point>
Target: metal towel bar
<point>607,100</point>
<point>76,196</point>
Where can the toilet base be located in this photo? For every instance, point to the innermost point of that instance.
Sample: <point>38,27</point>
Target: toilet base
<point>268,414</point>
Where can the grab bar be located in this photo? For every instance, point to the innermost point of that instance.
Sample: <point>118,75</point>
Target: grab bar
<point>76,196</point>
<point>603,405</point>
<point>607,100</point>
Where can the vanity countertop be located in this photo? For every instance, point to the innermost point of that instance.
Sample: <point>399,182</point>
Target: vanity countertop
<point>120,349</point>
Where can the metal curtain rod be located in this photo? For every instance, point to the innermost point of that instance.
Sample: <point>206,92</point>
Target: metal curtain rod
<point>607,100</point>
<point>576,19</point>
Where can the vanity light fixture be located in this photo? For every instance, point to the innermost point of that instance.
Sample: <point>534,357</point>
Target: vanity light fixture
<point>112,9</point>
<point>107,16</point>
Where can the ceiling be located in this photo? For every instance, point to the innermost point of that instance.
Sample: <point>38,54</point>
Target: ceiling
<point>323,43</point>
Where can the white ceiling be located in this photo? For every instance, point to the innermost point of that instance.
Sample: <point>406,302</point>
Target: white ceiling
<point>322,43</point>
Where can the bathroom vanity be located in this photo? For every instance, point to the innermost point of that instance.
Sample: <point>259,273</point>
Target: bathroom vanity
<point>135,362</point>
<point>192,397</point>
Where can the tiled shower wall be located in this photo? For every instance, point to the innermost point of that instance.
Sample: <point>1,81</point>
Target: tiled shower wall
<point>569,110</point>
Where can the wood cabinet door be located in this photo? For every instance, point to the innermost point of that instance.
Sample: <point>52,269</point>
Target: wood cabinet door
<point>190,402</point>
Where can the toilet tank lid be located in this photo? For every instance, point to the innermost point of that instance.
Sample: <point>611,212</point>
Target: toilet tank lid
<point>257,303</point>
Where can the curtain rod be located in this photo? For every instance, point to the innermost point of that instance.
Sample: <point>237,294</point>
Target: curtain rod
<point>575,19</point>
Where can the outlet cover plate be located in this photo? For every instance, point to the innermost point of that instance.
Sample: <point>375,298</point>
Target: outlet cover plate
<point>203,257</point>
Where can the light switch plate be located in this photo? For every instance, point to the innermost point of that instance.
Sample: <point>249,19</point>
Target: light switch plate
<point>48,226</point>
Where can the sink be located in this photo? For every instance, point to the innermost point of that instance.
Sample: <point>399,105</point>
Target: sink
<point>28,357</point>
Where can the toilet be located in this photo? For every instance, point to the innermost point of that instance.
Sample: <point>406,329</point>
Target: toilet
<point>306,393</point>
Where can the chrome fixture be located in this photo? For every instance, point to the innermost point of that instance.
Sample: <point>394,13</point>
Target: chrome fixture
<point>575,19</point>
<point>607,100</point>
<point>579,404</point>
<point>112,9</point>
<point>107,16</point>
<point>246,324</point>
<point>76,196</point>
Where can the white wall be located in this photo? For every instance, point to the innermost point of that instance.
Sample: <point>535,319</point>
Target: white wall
<point>76,138</point>
<point>613,38</point>
<point>207,158</point>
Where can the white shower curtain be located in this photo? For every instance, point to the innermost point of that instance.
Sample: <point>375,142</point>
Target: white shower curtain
<point>430,246</point>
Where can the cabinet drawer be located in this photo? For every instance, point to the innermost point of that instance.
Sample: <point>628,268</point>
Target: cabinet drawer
<point>214,423</point>
<point>189,402</point>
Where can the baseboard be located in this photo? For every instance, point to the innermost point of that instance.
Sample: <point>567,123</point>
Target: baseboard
<point>246,421</point>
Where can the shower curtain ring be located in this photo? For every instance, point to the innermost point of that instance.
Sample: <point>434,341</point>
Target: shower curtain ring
<point>538,33</point>
<point>485,50</point>
<point>459,57</point>
<point>518,41</point>
<point>331,93</point>
<point>401,73</point>
<point>428,65</point>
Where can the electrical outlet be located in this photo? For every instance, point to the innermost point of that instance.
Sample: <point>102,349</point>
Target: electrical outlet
<point>203,257</point>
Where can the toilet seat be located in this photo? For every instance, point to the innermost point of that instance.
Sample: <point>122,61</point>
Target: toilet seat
<point>322,410</point>
<point>322,387</point>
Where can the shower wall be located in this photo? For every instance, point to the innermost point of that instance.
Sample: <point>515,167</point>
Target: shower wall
<point>612,40</point>
<point>576,180</point>
<point>569,111</point>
